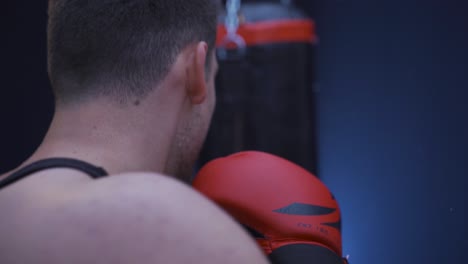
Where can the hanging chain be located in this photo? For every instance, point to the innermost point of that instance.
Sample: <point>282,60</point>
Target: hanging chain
<point>232,17</point>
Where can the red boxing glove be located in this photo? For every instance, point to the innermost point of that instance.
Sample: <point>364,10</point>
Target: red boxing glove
<point>289,211</point>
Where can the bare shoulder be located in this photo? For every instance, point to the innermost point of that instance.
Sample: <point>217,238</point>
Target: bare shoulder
<point>150,218</point>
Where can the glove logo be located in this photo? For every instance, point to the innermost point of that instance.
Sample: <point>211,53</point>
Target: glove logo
<point>309,210</point>
<point>305,209</point>
<point>336,225</point>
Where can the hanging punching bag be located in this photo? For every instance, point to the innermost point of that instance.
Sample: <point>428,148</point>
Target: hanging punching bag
<point>265,97</point>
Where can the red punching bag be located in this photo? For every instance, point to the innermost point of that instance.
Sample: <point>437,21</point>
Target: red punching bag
<point>265,98</point>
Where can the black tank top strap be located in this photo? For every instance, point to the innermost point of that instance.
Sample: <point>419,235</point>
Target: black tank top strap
<point>93,171</point>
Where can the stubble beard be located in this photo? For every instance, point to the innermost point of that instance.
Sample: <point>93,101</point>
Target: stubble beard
<point>188,143</point>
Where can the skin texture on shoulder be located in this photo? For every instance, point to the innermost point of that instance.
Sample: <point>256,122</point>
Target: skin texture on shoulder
<point>127,218</point>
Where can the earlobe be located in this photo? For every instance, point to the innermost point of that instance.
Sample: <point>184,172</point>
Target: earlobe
<point>197,87</point>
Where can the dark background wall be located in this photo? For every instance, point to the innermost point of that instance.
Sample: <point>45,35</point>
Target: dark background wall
<point>25,97</point>
<point>392,80</point>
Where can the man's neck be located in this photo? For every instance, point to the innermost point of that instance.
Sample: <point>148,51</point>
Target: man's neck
<point>119,142</point>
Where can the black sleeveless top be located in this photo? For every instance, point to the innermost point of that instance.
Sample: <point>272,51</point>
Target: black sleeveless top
<point>93,171</point>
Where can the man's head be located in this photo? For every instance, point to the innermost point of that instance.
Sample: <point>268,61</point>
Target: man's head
<point>139,52</point>
<point>121,48</point>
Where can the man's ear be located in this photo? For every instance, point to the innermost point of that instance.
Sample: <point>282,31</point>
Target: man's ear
<point>196,83</point>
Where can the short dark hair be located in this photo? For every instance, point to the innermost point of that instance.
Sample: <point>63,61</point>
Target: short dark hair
<point>121,48</point>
